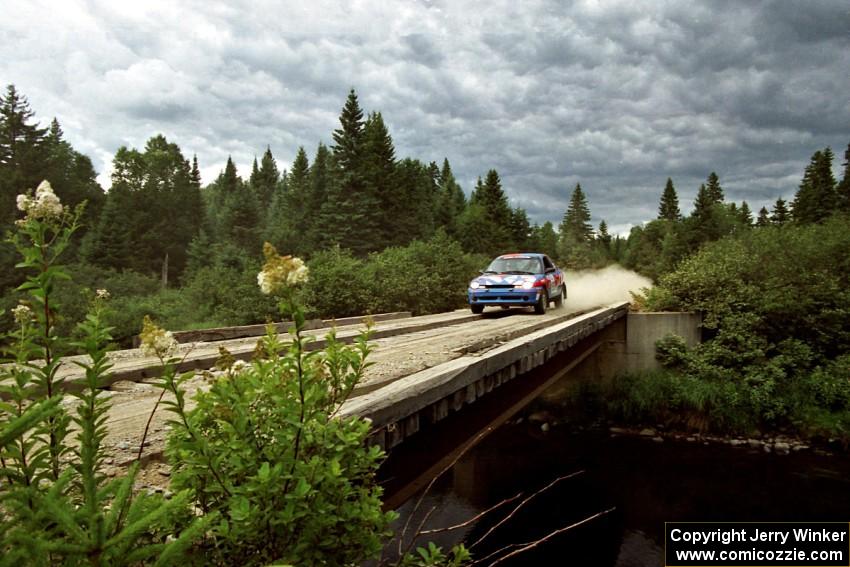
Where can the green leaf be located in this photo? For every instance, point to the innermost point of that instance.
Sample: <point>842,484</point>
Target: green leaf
<point>264,472</point>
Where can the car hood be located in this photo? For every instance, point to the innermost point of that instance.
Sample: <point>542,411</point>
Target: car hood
<point>504,279</point>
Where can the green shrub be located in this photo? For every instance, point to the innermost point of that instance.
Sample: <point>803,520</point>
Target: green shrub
<point>224,295</point>
<point>337,285</point>
<point>678,401</point>
<point>829,386</point>
<point>289,481</point>
<point>776,300</point>
<point>422,277</point>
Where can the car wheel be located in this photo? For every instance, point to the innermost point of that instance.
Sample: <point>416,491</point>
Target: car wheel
<point>542,301</point>
<point>559,300</point>
<point>477,309</point>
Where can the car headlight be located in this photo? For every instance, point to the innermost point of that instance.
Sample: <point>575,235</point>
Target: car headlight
<point>527,284</point>
<point>474,285</point>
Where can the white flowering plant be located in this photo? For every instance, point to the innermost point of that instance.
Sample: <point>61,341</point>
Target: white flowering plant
<point>57,507</point>
<point>264,451</point>
<point>280,275</point>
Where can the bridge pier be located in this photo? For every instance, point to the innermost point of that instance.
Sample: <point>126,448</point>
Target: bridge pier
<point>630,347</point>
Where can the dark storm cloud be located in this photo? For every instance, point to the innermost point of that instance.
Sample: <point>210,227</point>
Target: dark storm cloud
<point>615,95</point>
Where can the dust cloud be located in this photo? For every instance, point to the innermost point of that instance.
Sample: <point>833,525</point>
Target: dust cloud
<point>592,288</point>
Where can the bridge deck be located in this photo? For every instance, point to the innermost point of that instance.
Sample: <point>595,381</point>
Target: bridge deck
<point>403,349</point>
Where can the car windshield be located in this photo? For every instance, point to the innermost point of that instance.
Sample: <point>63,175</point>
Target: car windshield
<point>515,265</point>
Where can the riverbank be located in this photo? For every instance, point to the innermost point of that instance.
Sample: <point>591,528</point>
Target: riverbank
<point>771,442</point>
<point>666,406</point>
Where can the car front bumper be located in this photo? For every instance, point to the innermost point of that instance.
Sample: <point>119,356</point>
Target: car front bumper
<point>503,296</point>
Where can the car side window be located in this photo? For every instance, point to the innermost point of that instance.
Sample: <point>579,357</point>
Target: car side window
<point>547,263</point>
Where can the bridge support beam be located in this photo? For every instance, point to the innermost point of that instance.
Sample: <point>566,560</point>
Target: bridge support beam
<point>411,465</point>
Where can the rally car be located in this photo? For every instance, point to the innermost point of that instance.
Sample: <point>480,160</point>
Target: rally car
<point>518,280</point>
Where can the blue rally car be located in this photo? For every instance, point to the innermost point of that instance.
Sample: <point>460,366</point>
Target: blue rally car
<point>518,280</point>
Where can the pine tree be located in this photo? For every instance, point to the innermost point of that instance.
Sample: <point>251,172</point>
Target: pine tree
<point>30,154</point>
<point>72,176</point>
<point>603,239</point>
<point>109,244</point>
<point>349,209</point>
<point>415,202</point>
<point>816,199</point>
<point>668,208</point>
<point>265,184</point>
<point>21,152</point>
<point>196,172</point>
<point>520,230</point>
<point>255,174</point>
<point>576,222</point>
<point>387,213</point>
<point>296,201</point>
<point>154,207</point>
<point>451,201</point>
<point>780,214</point>
<point>576,232</point>
<point>234,212</point>
<point>715,192</point>
<point>763,218</point>
<point>349,136</point>
<point>704,224</point>
<point>490,197</point>
<point>843,188</point>
<point>319,175</point>
<point>745,214</point>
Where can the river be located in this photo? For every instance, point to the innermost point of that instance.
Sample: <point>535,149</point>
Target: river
<point>645,483</point>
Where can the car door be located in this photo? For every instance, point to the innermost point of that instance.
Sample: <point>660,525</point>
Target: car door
<point>553,277</point>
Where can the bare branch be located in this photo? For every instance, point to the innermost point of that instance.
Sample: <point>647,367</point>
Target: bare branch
<point>523,547</point>
<point>523,503</point>
<point>473,519</point>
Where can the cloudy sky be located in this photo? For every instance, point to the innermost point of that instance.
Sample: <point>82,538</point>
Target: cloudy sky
<point>616,95</point>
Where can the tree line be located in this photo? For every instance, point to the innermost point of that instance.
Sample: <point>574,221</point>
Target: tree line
<point>659,246</point>
<point>159,227</point>
<point>157,218</point>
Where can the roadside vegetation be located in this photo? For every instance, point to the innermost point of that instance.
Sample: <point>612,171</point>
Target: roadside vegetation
<point>774,299</point>
<point>264,471</point>
<point>775,304</point>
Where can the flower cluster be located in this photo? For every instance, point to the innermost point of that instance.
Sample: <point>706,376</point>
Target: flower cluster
<point>22,314</point>
<point>102,294</point>
<point>280,272</point>
<point>156,341</point>
<point>44,206</point>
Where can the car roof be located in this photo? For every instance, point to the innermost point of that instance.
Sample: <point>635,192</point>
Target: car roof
<point>522,255</point>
